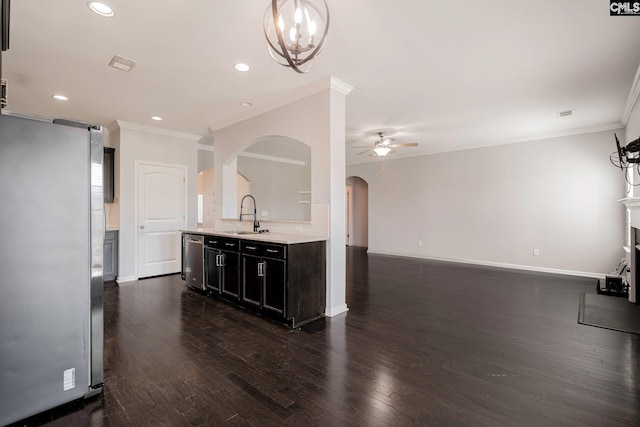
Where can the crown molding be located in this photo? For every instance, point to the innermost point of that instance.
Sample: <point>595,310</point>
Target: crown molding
<point>559,134</point>
<point>340,86</point>
<point>121,124</point>
<point>204,147</point>
<point>112,127</point>
<point>634,92</point>
<point>282,100</point>
<point>271,158</point>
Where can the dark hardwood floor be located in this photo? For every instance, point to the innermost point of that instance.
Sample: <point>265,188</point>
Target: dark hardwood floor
<point>424,343</point>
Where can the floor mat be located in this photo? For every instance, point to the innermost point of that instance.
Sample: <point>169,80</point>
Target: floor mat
<point>609,312</point>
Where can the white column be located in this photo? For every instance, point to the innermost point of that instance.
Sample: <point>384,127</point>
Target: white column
<point>336,251</point>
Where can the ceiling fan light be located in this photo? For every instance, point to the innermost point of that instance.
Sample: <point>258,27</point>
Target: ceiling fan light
<point>381,151</point>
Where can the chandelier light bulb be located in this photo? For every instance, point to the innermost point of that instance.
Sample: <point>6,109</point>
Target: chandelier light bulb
<point>296,31</point>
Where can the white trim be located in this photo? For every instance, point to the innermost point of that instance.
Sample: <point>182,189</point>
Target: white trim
<point>204,147</point>
<point>282,100</point>
<point>126,279</point>
<point>150,129</point>
<point>472,146</point>
<point>271,158</point>
<point>331,312</point>
<point>631,202</point>
<point>500,265</point>
<point>340,86</point>
<point>137,163</point>
<point>634,92</point>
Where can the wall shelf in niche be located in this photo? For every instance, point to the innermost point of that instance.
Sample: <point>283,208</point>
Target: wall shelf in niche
<point>304,192</point>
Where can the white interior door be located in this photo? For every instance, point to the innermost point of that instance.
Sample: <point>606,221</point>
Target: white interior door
<point>161,215</point>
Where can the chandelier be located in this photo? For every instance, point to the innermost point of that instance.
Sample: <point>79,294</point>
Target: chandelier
<point>296,31</point>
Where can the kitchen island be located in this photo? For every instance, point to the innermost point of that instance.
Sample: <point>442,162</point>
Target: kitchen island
<point>281,276</point>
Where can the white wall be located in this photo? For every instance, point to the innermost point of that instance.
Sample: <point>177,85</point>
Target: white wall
<point>495,205</point>
<point>359,224</point>
<point>205,165</point>
<point>275,186</point>
<point>138,142</point>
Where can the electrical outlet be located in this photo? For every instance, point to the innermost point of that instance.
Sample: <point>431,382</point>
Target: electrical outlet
<point>419,242</point>
<point>536,252</point>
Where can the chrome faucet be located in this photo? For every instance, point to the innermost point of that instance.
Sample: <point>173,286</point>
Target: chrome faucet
<point>256,224</point>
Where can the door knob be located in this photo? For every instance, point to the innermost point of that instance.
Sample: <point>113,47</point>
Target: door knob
<point>142,227</point>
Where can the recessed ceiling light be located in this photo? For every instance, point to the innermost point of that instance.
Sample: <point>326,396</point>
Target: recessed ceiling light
<point>60,97</point>
<point>101,9</point>
<point>241,67</point>
<point>156,118</point>
<point>246,104</point>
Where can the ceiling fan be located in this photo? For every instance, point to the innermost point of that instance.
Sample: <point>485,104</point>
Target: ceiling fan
<point>384,146</point>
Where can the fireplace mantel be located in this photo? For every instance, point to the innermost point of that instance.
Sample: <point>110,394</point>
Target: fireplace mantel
<point>631,202</point>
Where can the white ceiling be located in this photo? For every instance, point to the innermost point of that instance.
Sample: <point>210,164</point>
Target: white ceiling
<point>448,75</point>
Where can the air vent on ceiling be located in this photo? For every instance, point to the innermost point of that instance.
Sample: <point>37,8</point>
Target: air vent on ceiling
<point>122,63</point>
<point>565,113</point>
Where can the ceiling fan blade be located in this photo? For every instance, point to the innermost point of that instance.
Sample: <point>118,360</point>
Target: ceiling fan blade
<point>365,151</point>
<point>406,144</point>
<point>360,146</point>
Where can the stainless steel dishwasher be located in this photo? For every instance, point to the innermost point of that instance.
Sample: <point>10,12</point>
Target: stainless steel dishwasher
<point>194,256</point>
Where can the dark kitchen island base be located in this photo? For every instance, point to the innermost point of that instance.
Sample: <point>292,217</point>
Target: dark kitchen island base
<point>284,282</point>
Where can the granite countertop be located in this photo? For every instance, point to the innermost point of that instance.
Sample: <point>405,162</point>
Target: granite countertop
<point>273,237</point>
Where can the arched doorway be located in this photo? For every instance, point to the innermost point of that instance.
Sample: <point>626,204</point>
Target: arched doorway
<point>357,212</point>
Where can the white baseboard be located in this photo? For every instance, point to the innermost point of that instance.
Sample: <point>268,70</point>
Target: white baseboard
<point>500,265</point>
<point>126,279</point>
<point>330,312</point>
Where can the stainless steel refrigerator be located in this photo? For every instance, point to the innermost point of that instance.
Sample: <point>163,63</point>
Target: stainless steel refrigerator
<point>51,243</point>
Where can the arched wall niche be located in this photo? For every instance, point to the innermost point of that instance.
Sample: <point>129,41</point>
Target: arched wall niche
<point>279,170</point>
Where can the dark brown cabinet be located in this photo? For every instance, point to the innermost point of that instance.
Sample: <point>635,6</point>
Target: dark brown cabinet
<point>222,267</point>
<point>108,174</point>
<point>264,276</point>
<point>286,282</point>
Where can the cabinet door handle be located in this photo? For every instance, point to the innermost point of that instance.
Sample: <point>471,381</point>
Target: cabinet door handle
<point>253,248</point>
<point>230,244</point>
<point>217,260</point>
<point>260,269</point>
<point>221,260</point>
<point>273,251</point>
